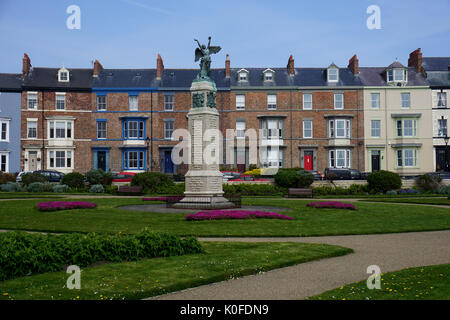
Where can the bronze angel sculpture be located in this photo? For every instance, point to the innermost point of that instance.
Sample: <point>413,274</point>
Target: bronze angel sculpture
<point>204,53</point>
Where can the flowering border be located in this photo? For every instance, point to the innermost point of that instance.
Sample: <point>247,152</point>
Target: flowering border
<point>65,205</point>
<point>331,204</point>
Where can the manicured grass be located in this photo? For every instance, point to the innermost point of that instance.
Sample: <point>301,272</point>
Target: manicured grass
<point>151,277</point>
<point>368,218</point>
<point>438,201</point>
<point>423,283</point>
<point>22,195</point>
<point>382,196</point>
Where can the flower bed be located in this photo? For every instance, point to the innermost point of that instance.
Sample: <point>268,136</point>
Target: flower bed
<point>331,204</point>
<point>65,205</point>
<point>234,214</point>
<point>155,199</point>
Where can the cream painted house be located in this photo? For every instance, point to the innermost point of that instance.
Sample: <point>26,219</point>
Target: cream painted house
<point>398,134</point>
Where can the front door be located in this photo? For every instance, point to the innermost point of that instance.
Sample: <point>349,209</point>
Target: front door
<point>308,160</point>
<point>168,164</point>
<point>32,160</point>
<point>101,160</point>
<point>375,161</point>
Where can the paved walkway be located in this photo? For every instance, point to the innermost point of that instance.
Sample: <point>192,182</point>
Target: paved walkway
<point>390,252</point>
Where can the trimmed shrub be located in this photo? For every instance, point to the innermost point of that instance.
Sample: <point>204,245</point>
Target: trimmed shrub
<point>47,187</point>
<point>152,182</point>
<point>35,187</point>
<point>391,193</point>
<point>24,254</point>
<point>444,190</point>
<point>6,177</point>
<point>60,188</point>
<point>383,181</point>
<point>29,178</point>
<point>304,179</point>
<point>10,187</point>
<point>254,189</point>
<point>97,188</point>
<point>74,180</point>
<point>286,178</point>
<point>98,176</point>
<point>427,182</point>
<point>176,189</point>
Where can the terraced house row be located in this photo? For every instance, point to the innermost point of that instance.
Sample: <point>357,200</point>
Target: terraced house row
<point>366,118</point>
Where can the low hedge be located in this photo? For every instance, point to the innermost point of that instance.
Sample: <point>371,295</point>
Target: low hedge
<point>152,182</point>
<point>6,177</point>
<point>73,180</point>
<point>23,253</point>
<point>254,189</point>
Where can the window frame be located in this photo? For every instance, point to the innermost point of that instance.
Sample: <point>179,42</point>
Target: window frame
<point>240,105</point>
<point>28,129</point>
<point>133,102</point>
<point>305,130</point>
<point>101,103</point>
<point>68,129</point>
<point>400,131</point>
<point>35,100</point>
<point>169,105</point>
<point>333,128</point>
<point>59,95</point>
<point>240,133</point>
<point>4,135</point>
<point>441,128</point>
<point>305,102</point>
<point>336,100</point>
<point>333,158</point>
<point>53,159</point>
<point>401,157</point>
<point>372,94</point>
<point>4,164</point>
<point>167,130</point>
<point>372,128</point>
<point>330,75</point>
<point>101,130</point>
<point>402,95</point>
<point>271,106</point>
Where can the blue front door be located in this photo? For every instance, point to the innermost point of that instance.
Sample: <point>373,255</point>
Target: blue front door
<point>168,164</point>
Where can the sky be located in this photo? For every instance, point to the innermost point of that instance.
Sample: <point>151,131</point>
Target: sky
<point>256,33</point>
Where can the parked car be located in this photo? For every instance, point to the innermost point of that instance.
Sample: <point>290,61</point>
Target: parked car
<point>364,175</point>
<point>247,177</point>
<point>341,173</point>
<point>355,174</point>
<point>52,176</point>
<point>227,175</point>
<point>317,175</point>
<point>20,174</point>
<point>123,177</point>
<point>442,175</point>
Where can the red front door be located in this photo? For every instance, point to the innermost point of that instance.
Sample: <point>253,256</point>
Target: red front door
<point>308,162</point>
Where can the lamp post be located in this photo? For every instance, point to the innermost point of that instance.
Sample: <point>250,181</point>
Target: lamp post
<point>446,138</point>
<point>147,140</point>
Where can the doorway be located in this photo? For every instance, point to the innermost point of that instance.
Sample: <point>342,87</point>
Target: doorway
<point>32,160</point>
<point>101,160</point>
<point>308,160</point>
<point>168,163</point>
<point>375,154</point>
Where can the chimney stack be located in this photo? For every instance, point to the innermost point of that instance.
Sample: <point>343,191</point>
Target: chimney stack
<point>353,64</point>
<point>26,65</point>
<point>97,68</point>
<point>159,67</point>
<point>227,67</point>
<point>290,66</point>
<point>415,60</point>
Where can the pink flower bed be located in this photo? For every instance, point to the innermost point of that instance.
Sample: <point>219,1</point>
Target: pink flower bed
<point>331,204</point>
<point>65,205</point>
<point>155,199</point>
<point>234,214</point>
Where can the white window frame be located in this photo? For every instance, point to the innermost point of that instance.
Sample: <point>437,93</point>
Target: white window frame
<point>333,128</point>
<point>372,128</point>
<point>240,129</point>
<point>167,130</point>
<point>268,75</point>
<point>271,102</point>
<point>29,100</point>
<point>307,103</point>
<point>59,95</point>
<point>133,102</point>
<point>267,159</point>
<point>4,123</point>
<point>52,155</point>
<point>98,131</point>
<point>305,130</point>
<point>6,163</point>
<point>240,102</point>
<point>336,100</point>
<point>401,157</point>
<point>402,128</point>
<point>102,104</point>
<point>51,124</point>
<point>61,72</point>
<point>242,75</point>
<point>331,77</point>
<point>375,103</point>
<point>442,127</point>
<point>333,158</point>
<point>169,102</point>
<point>28,128</point>
<point>441,99</point>
<point>402,100</point>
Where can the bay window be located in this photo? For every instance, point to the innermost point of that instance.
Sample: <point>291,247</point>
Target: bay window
<point>272,128</point>
<point>339,158</point>
<point>407,157</point>
<point>60,129</point>
<point>406,128</point>
<point>60,159</point>
<point>339,128</point>
<point>271,157</point>
<point>133,129</point>
<point>133,159</point>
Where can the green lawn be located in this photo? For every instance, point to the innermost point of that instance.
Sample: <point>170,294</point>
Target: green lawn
<point>151,277</point>
<point>423,283</point>
<point>439,201</point>
<point>21,195</point>
<point>369,218</point>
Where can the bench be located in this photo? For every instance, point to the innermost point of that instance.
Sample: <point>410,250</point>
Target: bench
<point>300,192</point>
<point>130,190</point>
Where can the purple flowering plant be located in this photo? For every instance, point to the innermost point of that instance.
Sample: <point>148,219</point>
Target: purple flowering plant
<point>65,205</point>
<point>331,204</point>
<point>155,199</point>
<point>234,214</point>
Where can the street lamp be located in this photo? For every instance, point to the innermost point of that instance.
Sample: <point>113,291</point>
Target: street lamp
<point>446,138</point>
<point>147,140</point>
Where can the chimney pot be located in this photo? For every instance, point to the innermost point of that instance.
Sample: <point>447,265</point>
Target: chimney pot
<point>227,67</point>
<point>98,67</point>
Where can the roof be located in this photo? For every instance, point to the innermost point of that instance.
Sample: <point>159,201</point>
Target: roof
<point>10,82</point>
<point>395,64</point>
<point>40,78</point>
<point>125,78</point>
<point>436,63</point>
<point>182,78</point>
<point>376,77</point>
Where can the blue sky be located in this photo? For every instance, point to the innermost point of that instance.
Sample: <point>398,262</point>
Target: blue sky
<point>257,33</point>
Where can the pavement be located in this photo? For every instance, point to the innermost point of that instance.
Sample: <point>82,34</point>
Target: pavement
<point>390,252</point>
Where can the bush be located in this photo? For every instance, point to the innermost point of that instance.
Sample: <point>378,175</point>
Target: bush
<point>98,176</point>
<point>60,188</point>
<point>151,182</point>
<point>73,180</point>
<point>36,187</point>
<point>444,190</point>
<point>428,182</point>
<point>47,187</point>
<point>304,179</point>
<point>286,178</point>
<point>24,254</point>
<point>175,189</point>
<point>254,189</point>
<point>29,178</point>
<point>391,193</point>
<point>6,177</point>
<point>97,188</point>
<point>10,187</point>
<point>111,189</point>
<point>383,181</point>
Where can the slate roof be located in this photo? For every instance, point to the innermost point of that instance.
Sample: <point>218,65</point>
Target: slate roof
<point>182,78</point>
<point>436,63</point>
<point>377,77</point>
<point>10,82</point>
<point>395,64</point>
<point>40,78</point>
<point>125,78</point>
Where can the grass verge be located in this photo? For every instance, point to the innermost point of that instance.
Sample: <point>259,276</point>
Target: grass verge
<point>437,201</point>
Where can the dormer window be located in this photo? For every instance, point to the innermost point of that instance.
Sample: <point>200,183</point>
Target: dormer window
<point>396,73</point>
<point>63,75</point>
<point>242,75</point>
<point>268,74</point>
<point>333,73</point>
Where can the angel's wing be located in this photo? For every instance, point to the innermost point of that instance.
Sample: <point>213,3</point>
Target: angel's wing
<point>198,54</point>
<point>214,49</point>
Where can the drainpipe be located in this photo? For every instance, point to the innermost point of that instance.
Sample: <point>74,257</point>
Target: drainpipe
<point>151,131</point>
<point>290,107</point>
<point>43,132</point>
<point>386,148</point>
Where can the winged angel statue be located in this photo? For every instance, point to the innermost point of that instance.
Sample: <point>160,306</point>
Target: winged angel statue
<point>204,53</point>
